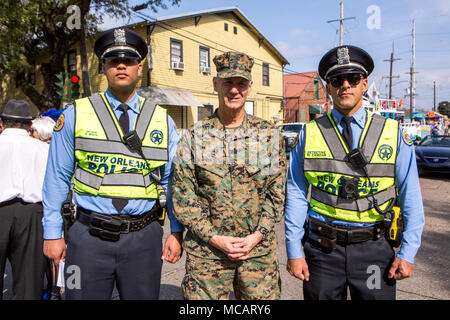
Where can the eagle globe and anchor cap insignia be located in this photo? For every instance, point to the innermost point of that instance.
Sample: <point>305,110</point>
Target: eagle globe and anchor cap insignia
<point>385,152</point>
<point>156,136</point>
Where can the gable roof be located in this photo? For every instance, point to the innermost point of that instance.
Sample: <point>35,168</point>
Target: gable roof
<point>239,14</point>
<point>296,84</point>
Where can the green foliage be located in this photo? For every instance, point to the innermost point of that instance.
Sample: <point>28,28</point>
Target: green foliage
<point>32,28</point>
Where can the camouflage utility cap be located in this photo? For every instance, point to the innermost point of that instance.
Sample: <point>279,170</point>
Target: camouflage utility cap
<point>234,64</point>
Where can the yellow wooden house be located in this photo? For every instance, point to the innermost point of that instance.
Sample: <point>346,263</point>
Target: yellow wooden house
<point>178,71</point>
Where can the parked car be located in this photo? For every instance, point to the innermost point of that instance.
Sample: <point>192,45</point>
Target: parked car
<point>290,132</point>
<point>433,154</point>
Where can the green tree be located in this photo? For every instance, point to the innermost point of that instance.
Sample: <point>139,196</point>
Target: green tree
<point>30,27</point>
<point>444,108</point>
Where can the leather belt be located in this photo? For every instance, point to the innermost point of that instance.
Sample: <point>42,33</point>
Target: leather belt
<point>109,227</point>
<point>328,234</point>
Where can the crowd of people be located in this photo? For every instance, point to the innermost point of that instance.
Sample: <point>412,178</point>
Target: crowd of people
<point>226,182</point>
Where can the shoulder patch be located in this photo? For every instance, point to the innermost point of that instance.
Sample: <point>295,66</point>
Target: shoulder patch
<point>59,123</point>
<point>406,138</point>
<point>295,141</point>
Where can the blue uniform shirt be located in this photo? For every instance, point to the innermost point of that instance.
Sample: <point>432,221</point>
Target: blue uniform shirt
<point>60,168</point>
<point>406,180</point>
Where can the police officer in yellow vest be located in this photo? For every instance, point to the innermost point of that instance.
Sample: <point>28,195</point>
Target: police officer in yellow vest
<point>361,169</point>
<point>119,148</point>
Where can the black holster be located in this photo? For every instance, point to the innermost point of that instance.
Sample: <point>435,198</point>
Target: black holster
<point>68,215</point>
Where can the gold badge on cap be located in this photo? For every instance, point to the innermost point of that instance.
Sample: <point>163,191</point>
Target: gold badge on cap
<point>343,56</point>
<point>119,37</point>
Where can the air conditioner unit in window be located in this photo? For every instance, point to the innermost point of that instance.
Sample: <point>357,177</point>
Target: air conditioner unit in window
<point>205,69</point>
<point>177,65</point>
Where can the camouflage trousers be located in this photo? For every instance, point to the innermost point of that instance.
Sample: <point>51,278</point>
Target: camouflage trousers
<point>254,279</point>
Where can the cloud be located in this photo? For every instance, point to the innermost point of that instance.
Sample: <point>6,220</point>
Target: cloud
<point>304,34</point>
<point>298,51</point>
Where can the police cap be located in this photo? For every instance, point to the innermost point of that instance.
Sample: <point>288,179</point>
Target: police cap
<point>120,43</point>
<point>344,60</point>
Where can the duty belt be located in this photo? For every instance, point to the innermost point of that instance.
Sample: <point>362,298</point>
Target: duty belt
<point>328,235</point>
<point>109,227</point>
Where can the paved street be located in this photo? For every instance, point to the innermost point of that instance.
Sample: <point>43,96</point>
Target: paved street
<point>431,272</point>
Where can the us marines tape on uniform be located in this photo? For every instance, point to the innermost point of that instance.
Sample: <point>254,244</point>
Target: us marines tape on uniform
<point>228,190</point>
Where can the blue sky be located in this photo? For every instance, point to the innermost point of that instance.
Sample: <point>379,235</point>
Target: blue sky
<point>299,30</point>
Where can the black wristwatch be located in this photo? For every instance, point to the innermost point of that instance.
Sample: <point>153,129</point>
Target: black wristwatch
<point>263,230</point>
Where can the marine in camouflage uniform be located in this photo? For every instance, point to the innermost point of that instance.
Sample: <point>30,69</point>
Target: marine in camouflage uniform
<point>228,190</point>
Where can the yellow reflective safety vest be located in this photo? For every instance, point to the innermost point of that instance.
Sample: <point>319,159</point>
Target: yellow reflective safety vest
<point>104,165</point>
<point>325,162</point>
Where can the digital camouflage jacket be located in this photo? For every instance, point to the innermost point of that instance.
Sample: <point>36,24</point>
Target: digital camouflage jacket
<point>229,181</point>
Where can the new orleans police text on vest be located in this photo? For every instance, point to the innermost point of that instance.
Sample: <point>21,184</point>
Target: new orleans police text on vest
<point>111,164</point>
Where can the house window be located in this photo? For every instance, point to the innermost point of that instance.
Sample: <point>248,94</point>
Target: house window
<point>176,50</point>
<point>235,30</point>
<point>265,74</point>
<point>316,89</point>
<point>225,26</point>
<point>204,59</point>
<point>72,62</point>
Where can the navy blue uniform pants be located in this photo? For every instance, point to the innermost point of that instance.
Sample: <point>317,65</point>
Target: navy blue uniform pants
<point>133,262</point>
<point>360,268</point>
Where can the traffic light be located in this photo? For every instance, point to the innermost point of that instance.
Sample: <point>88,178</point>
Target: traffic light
<point>74,87</point>
<point>60,85</point>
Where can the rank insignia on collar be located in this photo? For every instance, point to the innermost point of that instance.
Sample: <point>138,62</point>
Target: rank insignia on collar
<point>119,37</point>
<point>342,56</point>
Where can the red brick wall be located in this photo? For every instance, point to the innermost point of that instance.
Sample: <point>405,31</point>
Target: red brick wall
<point>299,94</point>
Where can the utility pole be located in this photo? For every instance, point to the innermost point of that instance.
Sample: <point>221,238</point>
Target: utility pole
<point>391,60</point>
<point>412,88</point>
<point>341,21</point>
<point>434,96</point>
<point>413,68</point>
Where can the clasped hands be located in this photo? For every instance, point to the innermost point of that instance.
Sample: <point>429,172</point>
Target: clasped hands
<point>236,248</point>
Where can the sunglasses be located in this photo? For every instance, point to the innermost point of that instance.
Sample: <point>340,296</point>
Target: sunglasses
<point>338,81</point>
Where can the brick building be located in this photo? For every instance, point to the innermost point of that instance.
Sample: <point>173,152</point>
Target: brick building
<point>304,94</point>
